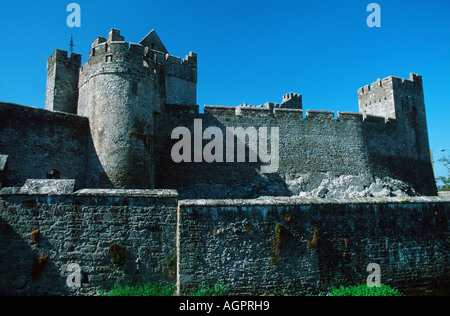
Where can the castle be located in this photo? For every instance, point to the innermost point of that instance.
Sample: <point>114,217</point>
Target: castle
<point>95,167</point>
<point>109,124</point>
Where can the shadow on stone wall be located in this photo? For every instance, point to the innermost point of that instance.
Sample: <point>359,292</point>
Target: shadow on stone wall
<point>26,266</point>
<point>215,180</point>
<point>37,141</point>
<point>96,177</point>
<point>416,173</point>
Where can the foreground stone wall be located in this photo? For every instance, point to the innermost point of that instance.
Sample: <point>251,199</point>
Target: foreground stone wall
<point>262,246</point>
<point>286,246</point>
<point>79,229</point>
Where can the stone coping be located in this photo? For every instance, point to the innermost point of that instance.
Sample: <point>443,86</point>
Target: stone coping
<point>261,201</point>
<point>292,201</point>
<point>159,193</point>
<point>128,192</point>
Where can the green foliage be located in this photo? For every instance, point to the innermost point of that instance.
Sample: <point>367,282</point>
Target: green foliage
<point>445,180</point>
<point>217,290</point>
<point>117,255</point>
<point>152,289</point>
<point>148,289</point>
<point>365,290</point>
<point>172,262</point>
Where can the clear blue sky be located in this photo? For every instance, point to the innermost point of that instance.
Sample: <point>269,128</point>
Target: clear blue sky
<point>250,51</point>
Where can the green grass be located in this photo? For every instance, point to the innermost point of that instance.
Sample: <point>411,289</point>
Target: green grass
<point>217,290</point>
<point>364,290</point>
<point>148,289</point>
<point>152,289</point>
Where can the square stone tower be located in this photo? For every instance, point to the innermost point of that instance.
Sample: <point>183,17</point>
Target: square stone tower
<point>62,82</point>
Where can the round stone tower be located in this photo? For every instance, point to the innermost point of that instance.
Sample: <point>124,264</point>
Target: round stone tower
<point>119,89</point>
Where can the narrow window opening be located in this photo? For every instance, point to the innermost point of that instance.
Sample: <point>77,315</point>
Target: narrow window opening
<point>53,174</point>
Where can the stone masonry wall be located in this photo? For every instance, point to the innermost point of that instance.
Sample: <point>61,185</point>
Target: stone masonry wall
<point>119,91</point>
<point>37,140</point>
<point>62,82</point>
<point>262,246</point>
<point>288,246</point>
<point>319,145</point>
<point>79,229</point>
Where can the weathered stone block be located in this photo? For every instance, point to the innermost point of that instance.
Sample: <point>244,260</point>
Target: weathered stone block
<point>350,116</point>
<point>48,187</point>
<point>294,114</point>
<point>320,115</point>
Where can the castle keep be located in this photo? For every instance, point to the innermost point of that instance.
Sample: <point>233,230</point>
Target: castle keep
<point>120,89</point>
<point>95,168</point>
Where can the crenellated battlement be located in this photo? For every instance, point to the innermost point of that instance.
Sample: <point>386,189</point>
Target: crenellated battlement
<point>266,112</point>
<point>382,98</point>
<point>379,84</point>
<point>291,108</point>
<point>147,59</point>
<point>117,57</point>
<point>108,51</point>
<point>114,55</point>
<point>114,45</point>
<point>62,56</point>
<point>387,84</point>
<point>377,98</point>
<point>185,68</point>
<point>414,81</point>
<point>292,101</point>
<point>289,101</point>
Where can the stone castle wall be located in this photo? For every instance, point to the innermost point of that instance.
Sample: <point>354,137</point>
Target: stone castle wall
<point>79,229</point>
<point>265,246</point>
<point>317,146</point>
<point>288,246</point>
<point>37,140</point>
